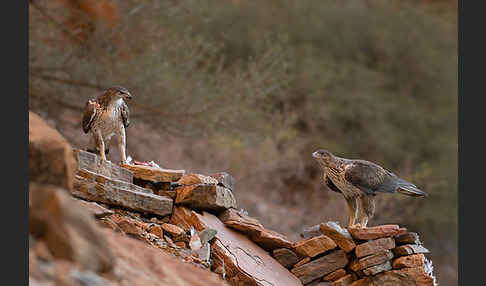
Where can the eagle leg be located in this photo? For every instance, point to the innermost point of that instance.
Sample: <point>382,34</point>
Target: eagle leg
<point>101,144</point>
<point>353,209</point>
<point>368,208</point>
<point>122,145</point>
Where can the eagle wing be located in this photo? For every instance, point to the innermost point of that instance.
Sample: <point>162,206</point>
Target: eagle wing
<point>89,115</point>
<point>125,114</point>
<point>330,184</point>
<point>369,177</point>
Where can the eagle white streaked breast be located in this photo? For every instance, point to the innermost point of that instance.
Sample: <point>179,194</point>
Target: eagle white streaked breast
<point>106,117</point>
<point>360,180</point>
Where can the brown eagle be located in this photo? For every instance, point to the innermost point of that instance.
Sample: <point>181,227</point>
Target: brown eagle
<point>360,180</point>
<point>107,116</point>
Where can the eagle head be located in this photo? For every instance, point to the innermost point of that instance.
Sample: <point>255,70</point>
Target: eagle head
<point>119,92</point>
<point>322,156</point>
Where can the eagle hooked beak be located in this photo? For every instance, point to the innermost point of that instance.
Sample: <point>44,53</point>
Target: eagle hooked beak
<point>128,96</point>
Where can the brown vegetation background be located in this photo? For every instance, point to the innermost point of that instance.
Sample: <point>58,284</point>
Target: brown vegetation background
<point>254,87</point>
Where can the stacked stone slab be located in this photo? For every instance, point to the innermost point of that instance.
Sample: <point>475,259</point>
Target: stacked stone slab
<point>104,182</point>
<point>197,215</point>
<point>380,255</point>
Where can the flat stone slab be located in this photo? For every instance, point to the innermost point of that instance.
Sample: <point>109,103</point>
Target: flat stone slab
<point>252,228</point>
<point>93,163</point>
<point>286,257</point>
<point>94,208</point>
<point>374,246</point>
<point>314,245</point>
<point>196,179</point>
<point>174,230</point>
<point>238,220</point>
<point>408,249</point>
<point>371,260</point>
<point>408,238</point>
<point>409,261</point>
<point>184,218</point>
<point>321,266</point>
<point>302,262</point>
<point>245,262</point>
<point>335,275</point>
<point>416,276</point>
<point>154,174</point>
<point>375,231</point>
<point>339,235</point>
<point>346,280</point>
<point>112,193</point>
<point>116,183</point>
<point>373,270</point>
<point>205,197</point>
<point>270,240</point>
<point>364,282</point>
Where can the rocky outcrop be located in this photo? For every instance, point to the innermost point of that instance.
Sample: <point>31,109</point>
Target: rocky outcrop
<point>137,224</point>
<point>67,229</point>
<point>50,155</point>
<point>101,189</point>
<point>244,262</point>
<point>153,174</point>
<point>205,197</point>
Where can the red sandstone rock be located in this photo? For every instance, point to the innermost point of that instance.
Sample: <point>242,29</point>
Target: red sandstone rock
<point>286,257</point>
<point>69,231</point>
<point>408,238</point>
<point>363,282</point>
<point>373,270</point>
<point>183,217</point>
<point>314,246</point>
<point>409,261</point>
<point>335,275</point>
<point>270,240</point>
<point>50,155</point>
<point>157,231</point>
<point>374,246</point>
<point>174,230</point>
<point>252,228</point>
<point>374,232</point>
<point>154,174</point>
<point>128,226</point>
<point>244,261</point>
<point>205,197</point>
<point>339,235</point>
<point>371,260</point>
<point>87,161</point>
<point>302,262</point>
<point>343,281</point>
<point>112,192</point>
<point>94,208</point>
<point>238,220</point>
<point>321,266</point>
<point>407,277</point>
<point>408,249</point>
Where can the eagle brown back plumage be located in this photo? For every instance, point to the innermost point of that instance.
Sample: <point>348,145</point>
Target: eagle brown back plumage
<point>90,112</point>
